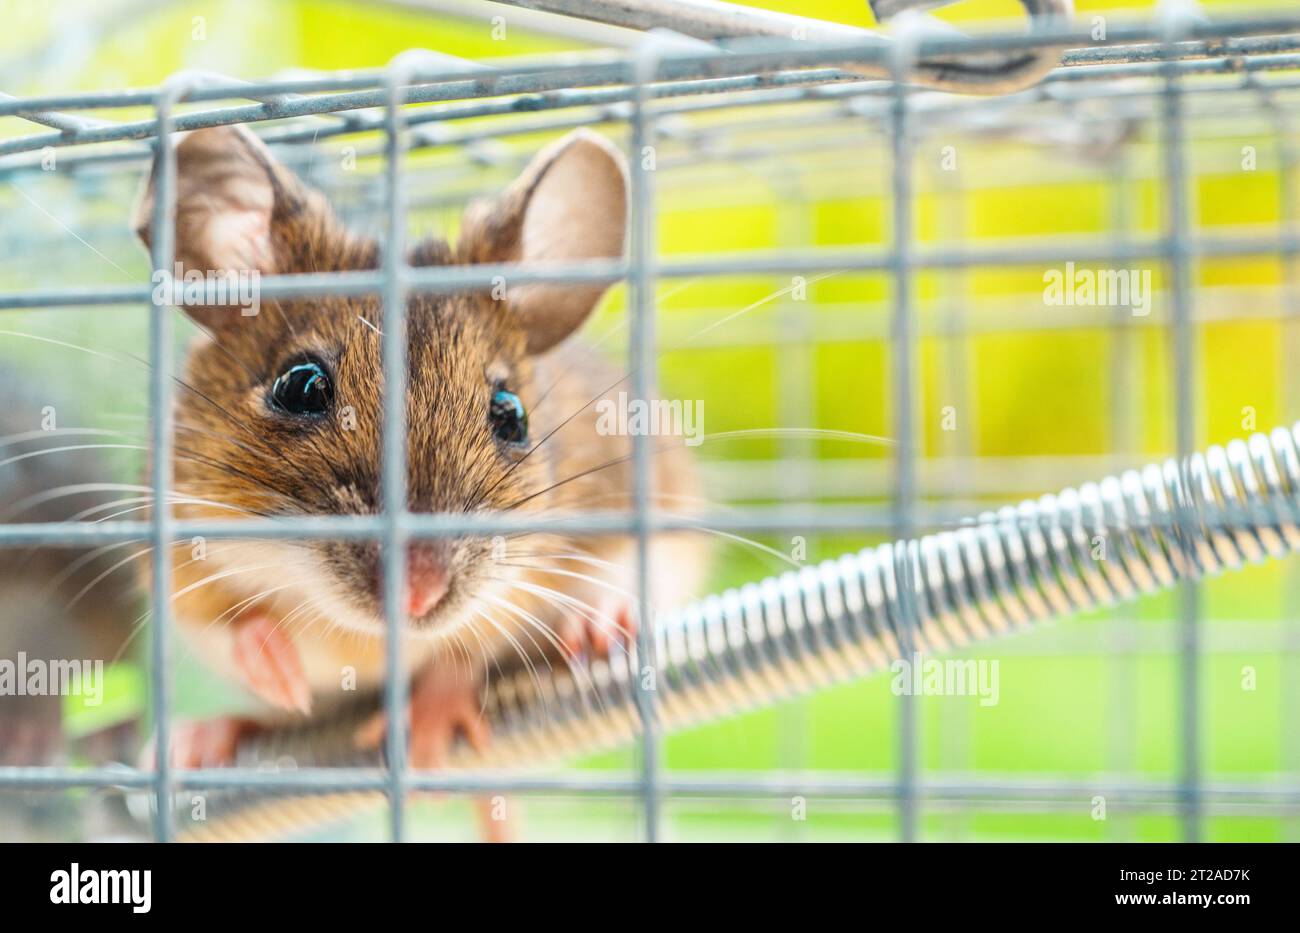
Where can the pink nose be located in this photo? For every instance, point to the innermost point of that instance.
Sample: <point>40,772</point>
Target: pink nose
<point>426,581</point>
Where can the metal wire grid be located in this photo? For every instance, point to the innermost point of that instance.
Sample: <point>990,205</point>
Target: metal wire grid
<point>654,71</point>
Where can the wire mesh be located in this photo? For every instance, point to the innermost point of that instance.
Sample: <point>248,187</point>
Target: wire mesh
<point>758,103</point>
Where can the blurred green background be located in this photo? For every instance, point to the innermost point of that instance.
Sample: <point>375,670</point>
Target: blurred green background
<point>1037,407</point>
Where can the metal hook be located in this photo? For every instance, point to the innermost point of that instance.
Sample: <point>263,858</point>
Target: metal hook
<point>994,72</point>
<point>985,72</point>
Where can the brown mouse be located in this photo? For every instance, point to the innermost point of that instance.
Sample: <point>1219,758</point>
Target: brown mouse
<point>280,414</point>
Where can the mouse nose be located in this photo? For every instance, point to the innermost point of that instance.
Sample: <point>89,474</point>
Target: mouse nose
<point>426,579</point>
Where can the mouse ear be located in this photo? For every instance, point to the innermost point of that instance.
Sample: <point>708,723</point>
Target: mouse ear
<point>238,210</point>
<point>570,204</point>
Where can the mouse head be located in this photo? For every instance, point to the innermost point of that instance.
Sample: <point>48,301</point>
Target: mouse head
<point>280,412</point>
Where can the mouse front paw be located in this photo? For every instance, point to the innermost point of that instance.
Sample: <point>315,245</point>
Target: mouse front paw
<point>444,703</point>
<point>269,663</point>
<point>598,628</point>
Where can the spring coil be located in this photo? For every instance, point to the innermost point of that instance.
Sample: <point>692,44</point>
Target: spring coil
<point>1083,548</point>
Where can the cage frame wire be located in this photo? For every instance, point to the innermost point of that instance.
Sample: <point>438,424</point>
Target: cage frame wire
<point>628,86</point>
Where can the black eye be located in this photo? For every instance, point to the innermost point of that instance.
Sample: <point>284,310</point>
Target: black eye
<point>509,420</point>
<point>304,389</point>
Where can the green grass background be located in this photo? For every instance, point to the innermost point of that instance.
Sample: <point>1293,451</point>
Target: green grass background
<point>1039,393</point>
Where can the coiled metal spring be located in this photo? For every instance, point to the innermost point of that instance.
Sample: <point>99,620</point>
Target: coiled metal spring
<point>1128,535</point>
<point>1085,548</point>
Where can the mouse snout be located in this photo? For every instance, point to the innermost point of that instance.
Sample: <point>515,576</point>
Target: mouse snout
<point>427,579</point>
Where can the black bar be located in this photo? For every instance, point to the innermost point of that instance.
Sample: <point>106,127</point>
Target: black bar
<point>990,882</point>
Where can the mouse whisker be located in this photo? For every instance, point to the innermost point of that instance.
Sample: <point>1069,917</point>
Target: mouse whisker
<point>238,422</point>
<point>552,596</point>
<point>852,437</point>
<point>731,537</point>
<point>258,440</point>
<point>132,358</point>
<point>21,437</point>
<point>750,542</point>
<point>220,575</point>
<point>230,470</point>
<point>59,492</point>
<point>147,501</point>
<point>70,569</point>
<point>490,658</point>
<point>138,625</point>
<point>514,644</point>
<point>591,346</point>
<point>104,575</point>
<point>574,575</point>
<point>571,658</point>
<point>234,610</point>
<point>68,448</point>
<point>565,555</point>
<point>148,550</point>
<point>208,432</point>
<point>658,497</point>
<point>476,499</point>
<point>69,345</point>
<point>601,620</point>
<point>285,619</point>
<point>767,299</point>
<point>552,599</point>
<point>221,435</point>
<point>582,473</point>
<point>533,622</point>
<point>74,489</point>
<point>145,504</point>
<point>182,455</point>
<point>307,604</point>
<point>455,652</point>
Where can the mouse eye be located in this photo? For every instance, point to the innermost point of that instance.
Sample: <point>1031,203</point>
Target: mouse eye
<point>509,420</point>
<point>303,389</point>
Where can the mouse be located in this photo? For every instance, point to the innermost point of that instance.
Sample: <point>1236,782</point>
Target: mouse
<point>279,414</point>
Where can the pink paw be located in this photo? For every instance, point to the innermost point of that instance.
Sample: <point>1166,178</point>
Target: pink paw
<point>444,703</point>
<point>609,625</point>
<point>269,663</point>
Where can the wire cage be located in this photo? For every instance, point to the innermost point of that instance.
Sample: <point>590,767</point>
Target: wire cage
<point>849,178</point>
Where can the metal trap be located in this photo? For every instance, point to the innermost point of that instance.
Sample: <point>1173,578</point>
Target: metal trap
<point>873,158</point>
